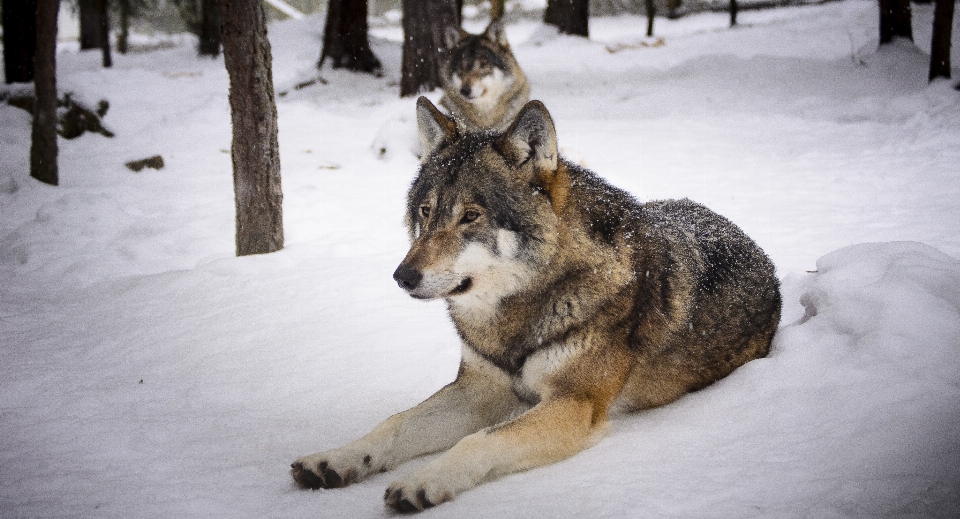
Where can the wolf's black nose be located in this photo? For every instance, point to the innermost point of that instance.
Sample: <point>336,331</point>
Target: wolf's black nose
<point>465,90</point>
<point>407,277</point>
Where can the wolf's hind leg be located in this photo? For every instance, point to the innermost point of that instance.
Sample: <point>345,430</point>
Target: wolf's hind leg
<point>477,399</point>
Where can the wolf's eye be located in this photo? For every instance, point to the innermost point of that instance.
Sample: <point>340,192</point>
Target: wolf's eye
<point>425,211</point>
<point>469,216</point>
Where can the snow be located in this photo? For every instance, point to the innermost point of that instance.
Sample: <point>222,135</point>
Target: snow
<point>147,372</point>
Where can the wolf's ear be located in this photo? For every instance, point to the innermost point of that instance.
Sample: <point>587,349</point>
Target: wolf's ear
<point>531,137</point>
<point>435,128</point>
<point>495,32</point>
<point>453,35</point>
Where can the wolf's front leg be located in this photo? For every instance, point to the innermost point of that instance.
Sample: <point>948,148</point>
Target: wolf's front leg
<point>551,431</point>
<point>477,399</point>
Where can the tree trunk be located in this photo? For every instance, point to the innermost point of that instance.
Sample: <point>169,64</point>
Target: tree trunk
<point>19,39</point>
<point>105,34</point>
<point>651,14</point>
<point>570,16</point>
<point>733,12</point>
<point>89,24</point>
<point>253,112</point>
<point>123,36</point>
<point>424,47</point>
<point>210,20</point>
<point>497,9</point>
<point>940,44</point>
<point>43,138</point>
<point>895,20</point>
<point>345,39</point>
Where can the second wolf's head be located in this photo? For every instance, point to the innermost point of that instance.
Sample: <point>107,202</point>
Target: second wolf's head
<point>483,84</point>
<point>482,213</point>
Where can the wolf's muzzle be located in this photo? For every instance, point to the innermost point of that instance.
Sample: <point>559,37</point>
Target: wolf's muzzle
<point>407,277</point>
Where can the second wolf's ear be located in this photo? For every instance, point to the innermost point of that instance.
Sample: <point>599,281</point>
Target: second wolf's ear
<point>496,33</point>
<point>453,35</point>
<point>531,138</point>
<point>435,128</point>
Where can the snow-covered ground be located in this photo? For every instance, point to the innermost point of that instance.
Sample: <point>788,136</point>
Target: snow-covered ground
<point>147,372</point>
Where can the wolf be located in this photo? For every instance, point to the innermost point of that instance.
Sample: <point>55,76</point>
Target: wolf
<point>483,85</point>
<point>572,300</point>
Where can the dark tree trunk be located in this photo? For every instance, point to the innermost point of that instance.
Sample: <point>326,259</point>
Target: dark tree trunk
<point>345,39</point>
<point>733,12</point>
<point>570,16</point>
<point>19,39</point>
<point>43,138</point>
<point>105,34</point>
<point>253,112</point>
<point>89,24</point>
<point>210,39</point>
<point>424,47</point>
<point>940,44</point>
<point>673,9</point>
<point>651,14</point>
<point>497,8</point>
<point>123,36</point>
<point>895,20</point>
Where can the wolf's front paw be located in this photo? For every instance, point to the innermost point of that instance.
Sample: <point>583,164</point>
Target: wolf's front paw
<point>412,496</point>
<point>329,470</point>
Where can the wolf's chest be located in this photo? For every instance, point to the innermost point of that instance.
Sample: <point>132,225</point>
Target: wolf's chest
<point>533,381</point>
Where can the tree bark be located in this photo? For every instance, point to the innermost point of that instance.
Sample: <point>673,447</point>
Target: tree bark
<point>255,151</point>
<point>43,138</point>
<point>651,14</point>
<point>89,24</point>
<point>210,20</point>
<point>570,16</point>
<point>19,39</point>
<point>105,34</point>
<point>424,47</point>
<point>123,37</point>
<point>345,39</point>
<point>497,9</point>
<point>895,20</point>
<point>940,44</point>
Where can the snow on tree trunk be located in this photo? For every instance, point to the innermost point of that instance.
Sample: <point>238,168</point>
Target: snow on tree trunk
<point>345,39</point>
<point>255,151</point>
<point>43,138</point>
<point>19,39</point>
<point>940,44</point>
<point>424,48</point>
<point>570,16</point>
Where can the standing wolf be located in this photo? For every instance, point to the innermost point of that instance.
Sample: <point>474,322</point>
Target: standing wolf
<point>483,85</point>
<point>571,299</point>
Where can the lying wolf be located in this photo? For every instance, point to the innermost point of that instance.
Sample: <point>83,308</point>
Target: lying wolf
<point>571,299</point>
<point>483,85</point>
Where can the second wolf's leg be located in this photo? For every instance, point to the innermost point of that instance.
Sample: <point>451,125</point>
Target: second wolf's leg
<point>480,397</point>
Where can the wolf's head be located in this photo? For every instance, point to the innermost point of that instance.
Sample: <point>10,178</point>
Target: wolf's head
<point>482,213</point>
<point>481,67</point>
